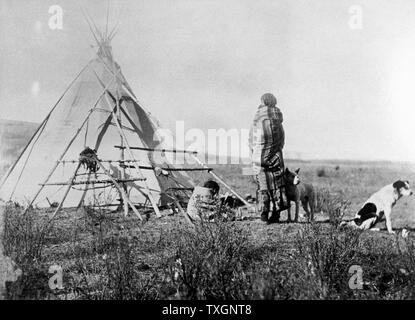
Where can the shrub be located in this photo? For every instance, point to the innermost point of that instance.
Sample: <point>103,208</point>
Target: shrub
<point>332,205</point>
<point>212,260</point>
<point>24,240</point>
<point>25,235</point>
<point>321,173</point>
<point>270,278</point>
<point>97,223</point>
<point>125,278</point>
<point>406,252</point>
<point>275,274</point>
<point>208,261</point>
<point>321,198</point>
<point>324,255</point>
<point>115,275</point>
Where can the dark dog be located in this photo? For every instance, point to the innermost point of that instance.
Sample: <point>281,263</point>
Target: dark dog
<point>299,192</point>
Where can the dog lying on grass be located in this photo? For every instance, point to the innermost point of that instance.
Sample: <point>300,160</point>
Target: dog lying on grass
<point>379,207</point>
<point>298,192</point>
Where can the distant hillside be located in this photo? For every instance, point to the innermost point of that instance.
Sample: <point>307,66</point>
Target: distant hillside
<point>14,135</point>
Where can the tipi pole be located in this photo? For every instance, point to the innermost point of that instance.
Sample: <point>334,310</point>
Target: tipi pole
<point>71,181</point>
<point>120,190</point>
<point>159,150</point>
<point>221,181</point>
<point>84,193</point>
<point>122,153</point>
<point>96,32</point>
<point>184,212</point>
<point>149,195</point>
<point>67,148</point>
<point>25,162</point>
<point>126,87</point>
<point>125,204</point>
<point>129,91</point>
<point>41,126</point>
<point>108,15</point>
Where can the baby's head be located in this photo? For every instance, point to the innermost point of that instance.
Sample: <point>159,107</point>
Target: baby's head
<point>213,186</point>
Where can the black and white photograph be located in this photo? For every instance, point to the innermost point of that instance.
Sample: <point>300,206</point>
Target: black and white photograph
<point>224,152</point>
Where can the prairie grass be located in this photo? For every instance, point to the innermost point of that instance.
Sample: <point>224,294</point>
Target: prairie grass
<point>108,256</point>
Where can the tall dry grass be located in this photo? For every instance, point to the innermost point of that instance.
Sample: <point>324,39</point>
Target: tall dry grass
<point>24,240</point>
<point>213,260</point>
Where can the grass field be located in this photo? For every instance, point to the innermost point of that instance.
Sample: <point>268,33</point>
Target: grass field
<point>354,180</point>
<point>109,256</point>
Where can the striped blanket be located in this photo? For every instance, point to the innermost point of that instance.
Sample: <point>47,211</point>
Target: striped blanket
<point>266,140</point>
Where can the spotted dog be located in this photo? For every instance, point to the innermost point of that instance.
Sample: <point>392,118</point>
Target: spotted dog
<point>379,207</point>
<point>299,193</point>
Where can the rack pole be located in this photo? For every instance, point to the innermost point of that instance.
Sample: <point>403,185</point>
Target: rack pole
<point>222,181</point>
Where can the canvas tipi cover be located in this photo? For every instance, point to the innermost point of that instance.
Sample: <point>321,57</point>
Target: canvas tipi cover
<point>82,118</point>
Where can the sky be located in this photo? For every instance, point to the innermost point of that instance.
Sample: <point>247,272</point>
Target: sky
<point>342,71</point>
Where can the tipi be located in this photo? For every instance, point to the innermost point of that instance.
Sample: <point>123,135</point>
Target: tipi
<point>98,110</point>
<point>100,113</point>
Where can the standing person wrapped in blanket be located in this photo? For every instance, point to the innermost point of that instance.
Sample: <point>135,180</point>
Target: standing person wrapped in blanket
<point>266,140</point>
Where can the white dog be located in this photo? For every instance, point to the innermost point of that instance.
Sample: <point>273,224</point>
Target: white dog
<point>379,207</point>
